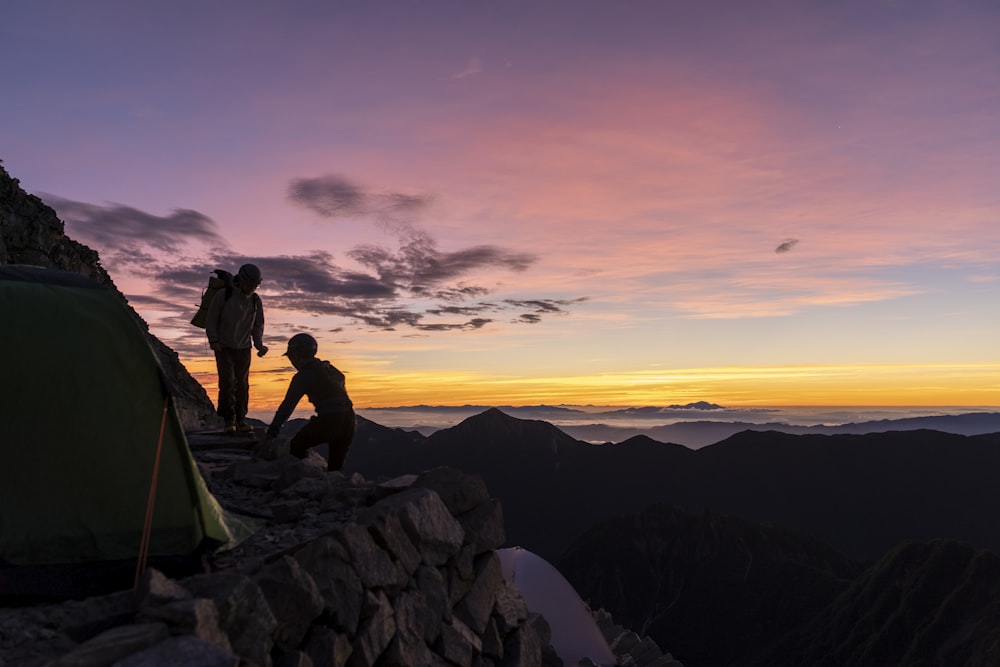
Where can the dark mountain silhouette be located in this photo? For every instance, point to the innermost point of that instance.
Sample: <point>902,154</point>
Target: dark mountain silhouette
<point>488,439</point>
<point>693,433</point>
<point>724,592</point>
<point>551,486</point>
<point>862,494</point>
<point>715,589</point>
<point>935,603</point>
<point>722,552</point>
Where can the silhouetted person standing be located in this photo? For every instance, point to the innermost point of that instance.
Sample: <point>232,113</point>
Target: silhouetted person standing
<point>334,422</point>
<point>235,321</point>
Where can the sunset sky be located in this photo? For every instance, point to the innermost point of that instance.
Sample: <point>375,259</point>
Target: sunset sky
<point>553,201</point>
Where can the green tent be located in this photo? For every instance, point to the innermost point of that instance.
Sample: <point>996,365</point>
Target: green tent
<point>85,417</point>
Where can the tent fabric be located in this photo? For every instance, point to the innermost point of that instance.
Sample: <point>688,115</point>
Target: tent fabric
<point>81,405</point>
<point>575,634</point>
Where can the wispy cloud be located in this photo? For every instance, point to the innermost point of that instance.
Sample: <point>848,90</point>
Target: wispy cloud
<point>394,287</point>
<point>132,237</point>
<point>473,68</point>
<point>419,267</point>
<point>773,296</point>
<point>542,306</point>
<point>474,323</point>
<point>333,196</point>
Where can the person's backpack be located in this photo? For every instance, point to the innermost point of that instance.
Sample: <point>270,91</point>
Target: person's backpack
<point>221,280</point>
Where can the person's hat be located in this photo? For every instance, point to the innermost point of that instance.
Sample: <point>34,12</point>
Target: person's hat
<point>302,345</point>
<point>250,273</point>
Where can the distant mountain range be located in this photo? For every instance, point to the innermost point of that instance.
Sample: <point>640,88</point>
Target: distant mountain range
<point>862,494</point>
<point>765,548</point>
<point>701,433</point>
<point>695,424</point>
<point>558,410</point>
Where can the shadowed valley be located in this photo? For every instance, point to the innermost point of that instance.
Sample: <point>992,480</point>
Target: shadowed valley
<point>765,548</point>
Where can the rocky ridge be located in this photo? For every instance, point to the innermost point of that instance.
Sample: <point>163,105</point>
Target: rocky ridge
<point>343,571</point>
<point>31,233</point>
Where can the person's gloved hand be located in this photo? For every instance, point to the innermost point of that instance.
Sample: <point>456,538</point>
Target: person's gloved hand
<point>216,346</point>
<point>262,350</point>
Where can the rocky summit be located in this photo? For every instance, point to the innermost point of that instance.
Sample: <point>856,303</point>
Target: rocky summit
<point>340,571</point>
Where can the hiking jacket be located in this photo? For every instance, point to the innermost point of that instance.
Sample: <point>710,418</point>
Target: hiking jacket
<point>236,322</point>
<point>323,384</point>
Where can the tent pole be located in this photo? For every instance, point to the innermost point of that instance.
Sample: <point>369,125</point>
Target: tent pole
<point>147,527</point>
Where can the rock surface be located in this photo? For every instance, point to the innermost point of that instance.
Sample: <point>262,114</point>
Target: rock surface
<point>342,571</point>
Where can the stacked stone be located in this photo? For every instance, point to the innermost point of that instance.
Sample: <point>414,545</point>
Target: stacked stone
<point>629,648</point>
<point>412,578</point>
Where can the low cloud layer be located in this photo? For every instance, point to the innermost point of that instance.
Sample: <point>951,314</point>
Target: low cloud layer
<point>412,285</point>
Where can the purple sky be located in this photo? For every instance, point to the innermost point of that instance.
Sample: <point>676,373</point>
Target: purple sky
<point>525,202</point>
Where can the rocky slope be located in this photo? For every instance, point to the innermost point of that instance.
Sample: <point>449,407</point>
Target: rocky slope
<point>31,233</point>
<point>716,589</point>
<point>924,603</point>
<point>342,571</point>
<point>724,592</point>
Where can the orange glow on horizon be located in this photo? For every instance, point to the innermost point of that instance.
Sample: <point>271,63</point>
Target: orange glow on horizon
<point>817,385</point>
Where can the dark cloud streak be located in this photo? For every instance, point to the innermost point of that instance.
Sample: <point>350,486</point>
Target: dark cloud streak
<point>383,295</point>
<point>786,245</point>
<point>418,266</point>
<point>334,196</point>
<point>475,323</point>
<point>117,227</point>
<point>543,306</point>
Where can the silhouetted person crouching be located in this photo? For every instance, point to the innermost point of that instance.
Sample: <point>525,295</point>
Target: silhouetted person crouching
<point>334,422</point>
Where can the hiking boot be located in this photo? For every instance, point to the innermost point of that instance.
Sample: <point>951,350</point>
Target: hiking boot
<point>230,426</point>
<point>243,427</point>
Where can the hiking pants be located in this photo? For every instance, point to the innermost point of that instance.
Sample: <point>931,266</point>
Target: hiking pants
<point>234,382</point>
<point>337,430</point>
